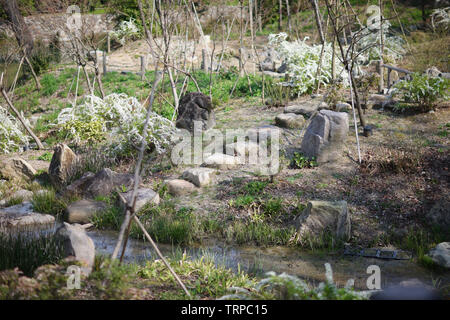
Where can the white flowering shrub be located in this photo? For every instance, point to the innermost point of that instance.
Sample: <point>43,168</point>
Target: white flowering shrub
<point>118,119</point>
<point>368,45</point>
<point>440,19</point>
<point>125,31</point>
<point>302,61</point>
<point>11,134</point>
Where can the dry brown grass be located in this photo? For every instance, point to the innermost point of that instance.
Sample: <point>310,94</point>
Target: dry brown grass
<point>429,49</point>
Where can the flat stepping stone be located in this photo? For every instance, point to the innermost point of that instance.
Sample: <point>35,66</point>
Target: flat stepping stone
<point>201,177</point>
<point>179,187</point>
<point>221,161</point>
<point>23,194</point>
<point>22,215</point>
<point>144,196</point>
<point>306,109</point>
<point>82,211</point>
<point>290,120</point>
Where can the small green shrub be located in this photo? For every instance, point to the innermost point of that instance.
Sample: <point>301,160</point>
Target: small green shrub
<point>299,161</point>
<point>423,90</point>
<point>47,156</point>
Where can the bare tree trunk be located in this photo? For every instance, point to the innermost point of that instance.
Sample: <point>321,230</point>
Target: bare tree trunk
<point>36,79</point>
<point>288,17</point>
<point>347,65</point>
<point>318,20</point>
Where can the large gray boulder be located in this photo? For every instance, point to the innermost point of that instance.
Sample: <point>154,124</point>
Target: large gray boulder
<point>195,106</point>
<point>290,120</point>
<point>79,245</point>
<point>22,216</point>
<point>101,184</point>
<point>322,216</point>
<point>201,177</point>
<point>144,196</point>
<point>439,214</point>
<point>441,254</point>
<point>178,187</point>
<point>61,164</point>
<point>82,211</point>
<point>17,169</point>
<point>325,136</point>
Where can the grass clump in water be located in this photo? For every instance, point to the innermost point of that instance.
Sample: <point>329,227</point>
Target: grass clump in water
<point>27,251</point>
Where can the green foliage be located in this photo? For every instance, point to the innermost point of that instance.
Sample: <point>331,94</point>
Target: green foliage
<point>27,251</point>
<point>258,232</point>
<point>423,90</point>
<point>254,187</point>
<point>46,156</point>
<point>287,287</point>
<point>47,202</point>
<point>299,161</point>
<point>166,224</point>
<point>49,84</point>
<point>90,132</point>
<point>202,277</point>
<point>277,93</point>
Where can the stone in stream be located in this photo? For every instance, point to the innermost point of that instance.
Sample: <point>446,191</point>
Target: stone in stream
<point>144,196</point>
<point>290,120</point>
<point>221,161</point>
<point>79,245</point>
<point>325,136</point>
<point>321,216</point>
<point>101,184</point>
<point>178,187</point>
<point>441,254</point>
<point>82,211</point>
<point>195,106</point>
<point>24,195</point>
<point>23,216</point>
<point>17,169</point>
<point>62,160</point>
<point>201,177</point>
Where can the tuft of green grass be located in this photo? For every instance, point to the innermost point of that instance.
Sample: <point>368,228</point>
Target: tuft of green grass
<point>50,84</point>
<point>27,251</point>
<point>47,156</point>
<point>47,202</point>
